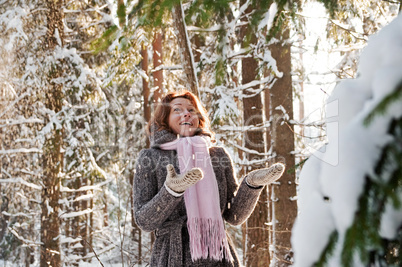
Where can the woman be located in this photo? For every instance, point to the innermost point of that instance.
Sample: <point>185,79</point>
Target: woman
<point>184,188</point>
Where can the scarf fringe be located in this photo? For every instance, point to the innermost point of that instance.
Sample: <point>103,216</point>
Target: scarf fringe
<point>208,239</point>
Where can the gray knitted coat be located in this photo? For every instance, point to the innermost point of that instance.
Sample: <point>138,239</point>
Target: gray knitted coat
<point>157,210</point>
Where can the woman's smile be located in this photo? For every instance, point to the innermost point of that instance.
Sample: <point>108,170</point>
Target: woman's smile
<point>183,117</point>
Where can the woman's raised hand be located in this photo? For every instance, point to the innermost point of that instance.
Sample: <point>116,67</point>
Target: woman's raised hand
<point>265,176</point>
<point>180,182</point>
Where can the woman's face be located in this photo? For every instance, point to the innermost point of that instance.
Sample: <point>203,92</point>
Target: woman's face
<point>183,117</point>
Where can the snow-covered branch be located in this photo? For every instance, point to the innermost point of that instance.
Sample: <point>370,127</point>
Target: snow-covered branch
<point>21,181</point>
<point>20,150</point>
<point>13,103</point>
<point>76,213</point>
<point>20,121</point>
<point>22,239</point>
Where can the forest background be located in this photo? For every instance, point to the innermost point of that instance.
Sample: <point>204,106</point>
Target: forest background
<point>79,80</point>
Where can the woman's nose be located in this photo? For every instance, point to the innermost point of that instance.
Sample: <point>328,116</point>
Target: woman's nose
<point>186,113</point>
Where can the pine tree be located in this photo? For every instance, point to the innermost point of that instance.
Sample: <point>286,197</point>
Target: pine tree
<point>370,236</point>
<point>55,88</point>
<point>349,27</point>
<point>382,190</point>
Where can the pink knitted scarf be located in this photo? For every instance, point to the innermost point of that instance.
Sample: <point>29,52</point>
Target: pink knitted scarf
<point>204,219</point>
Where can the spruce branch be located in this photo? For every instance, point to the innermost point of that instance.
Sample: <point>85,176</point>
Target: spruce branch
<point>363,235</point>
<point>328,250</point>
<point>382,107</point>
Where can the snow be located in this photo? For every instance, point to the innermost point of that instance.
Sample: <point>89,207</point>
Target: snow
<point>329,189</point>
<point>330,181</point>
<point>13,20</point>
<point>390,222</point>
<point>76,213</point>
<point>21,181</point>
<point>269,16</point>
<point>20,150</point>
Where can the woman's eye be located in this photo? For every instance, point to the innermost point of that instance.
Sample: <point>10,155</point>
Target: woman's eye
<point>177,110</point>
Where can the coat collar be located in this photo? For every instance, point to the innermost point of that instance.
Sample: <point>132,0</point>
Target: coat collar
<point>157,138</point>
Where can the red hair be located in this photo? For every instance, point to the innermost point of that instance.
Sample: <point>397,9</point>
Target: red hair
<point>160,118</point>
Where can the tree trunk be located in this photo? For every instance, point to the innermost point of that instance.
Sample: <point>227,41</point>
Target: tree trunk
<point>52,155</point>
<point>105,212</point>
<point>158,62</point>
<point>4,218</point>
<point>268,140</point>
<point>185,49</point>
<point>257,253</point>
<point>91,218</point>
<point>84,221</point>
<point>76,222</point>
<point>285,208</point>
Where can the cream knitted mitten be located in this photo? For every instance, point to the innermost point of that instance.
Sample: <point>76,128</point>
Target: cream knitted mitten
<point>180,182</point>
<point>265,176</point>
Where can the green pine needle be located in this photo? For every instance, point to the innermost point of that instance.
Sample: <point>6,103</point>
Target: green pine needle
<point>382,107</point>
<point>328,250</point>
<point>103,43</point>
